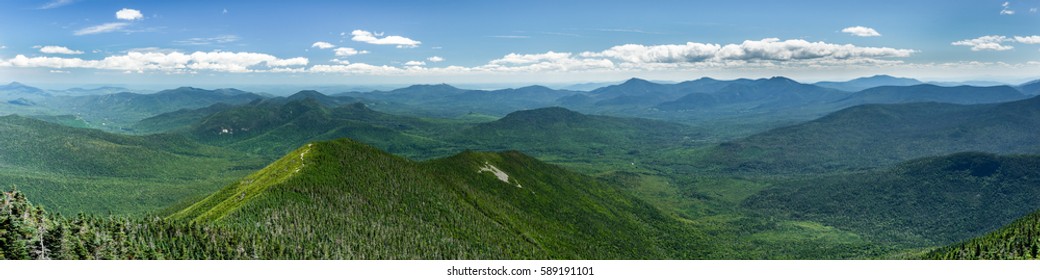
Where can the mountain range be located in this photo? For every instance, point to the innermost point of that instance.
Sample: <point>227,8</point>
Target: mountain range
<point>635,170</point>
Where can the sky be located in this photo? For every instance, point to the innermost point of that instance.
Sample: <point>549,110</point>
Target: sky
<point>235,43</point>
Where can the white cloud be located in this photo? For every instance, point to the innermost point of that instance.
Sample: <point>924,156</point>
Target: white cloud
<point>59,50</point>
<point>985,43</point>
<point>222,39</point>
<point>2,47</point>
<point>771,49</point>
<point>548,61</point>
<point>1007,9</point>
<point>168,62</point>
<point>323,45</point>
<point>56,4</point>
<point>1032,10</point>
<point>1028,39</point>
<point>861,31</point>
<point>356,68</point>
<point>369,37</point>
<point>129,14</point>
<point>761,55</point>
<point>348,52</point>
<point>102,28</point>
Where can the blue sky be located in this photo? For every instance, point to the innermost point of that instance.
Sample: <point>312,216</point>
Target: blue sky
<point>511,42</point>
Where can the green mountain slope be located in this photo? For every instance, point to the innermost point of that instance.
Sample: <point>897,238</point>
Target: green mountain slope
<point>558,133</point>
<point>343,199</point>
<point>272,129</point>
<point>83,170</point>
<point>875,135</point>
<point>931,201</point>
<point>1018,240</point>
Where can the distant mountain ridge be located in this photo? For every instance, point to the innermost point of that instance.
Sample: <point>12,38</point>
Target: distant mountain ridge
<point>933,93</point>
<point>873,135</point>
<point>863,83</point>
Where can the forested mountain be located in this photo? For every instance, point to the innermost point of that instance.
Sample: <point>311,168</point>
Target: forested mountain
<point>83,170</point>
<point>1017,240</point>
<point>930,201</point>
<point>272,128</point>
<point>343,199</point>
<point>874,135</point>
<point>561,133</point>
<point>863,83</point>
<point>760,95</point>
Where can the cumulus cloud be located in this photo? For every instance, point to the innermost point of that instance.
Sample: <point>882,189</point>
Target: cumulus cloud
<point>348,51</point>
<point>323,45</point>
<point>129,14</point>
<point>1028,39</point>
<point>548,61</point>
<point>102,28</point>
<point>985,43</point>
<point>356,68</point>
<point>769,53</point>
<point>1007,9</point>
<point>771,49</point>
<point>165,61</point>
<point>369,37</point>
<point>58,50</point>
<point>861,31</point>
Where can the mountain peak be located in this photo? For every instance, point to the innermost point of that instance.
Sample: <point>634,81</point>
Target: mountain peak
<point>781,79</point>
<point>307,93</point>
<point>636,81</point>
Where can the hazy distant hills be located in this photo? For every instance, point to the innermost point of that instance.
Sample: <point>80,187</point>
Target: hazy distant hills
<point>762,95</point>
<point>932,93</point>
<point>1032,88</point>
<point>346,200</point>
<point>929,201</point>
<point>873,135</point>
<point>16,90</point>
<point>122,109</point>
<point>859,84</point>
<point>447,101</point>
<point>699,100</point>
